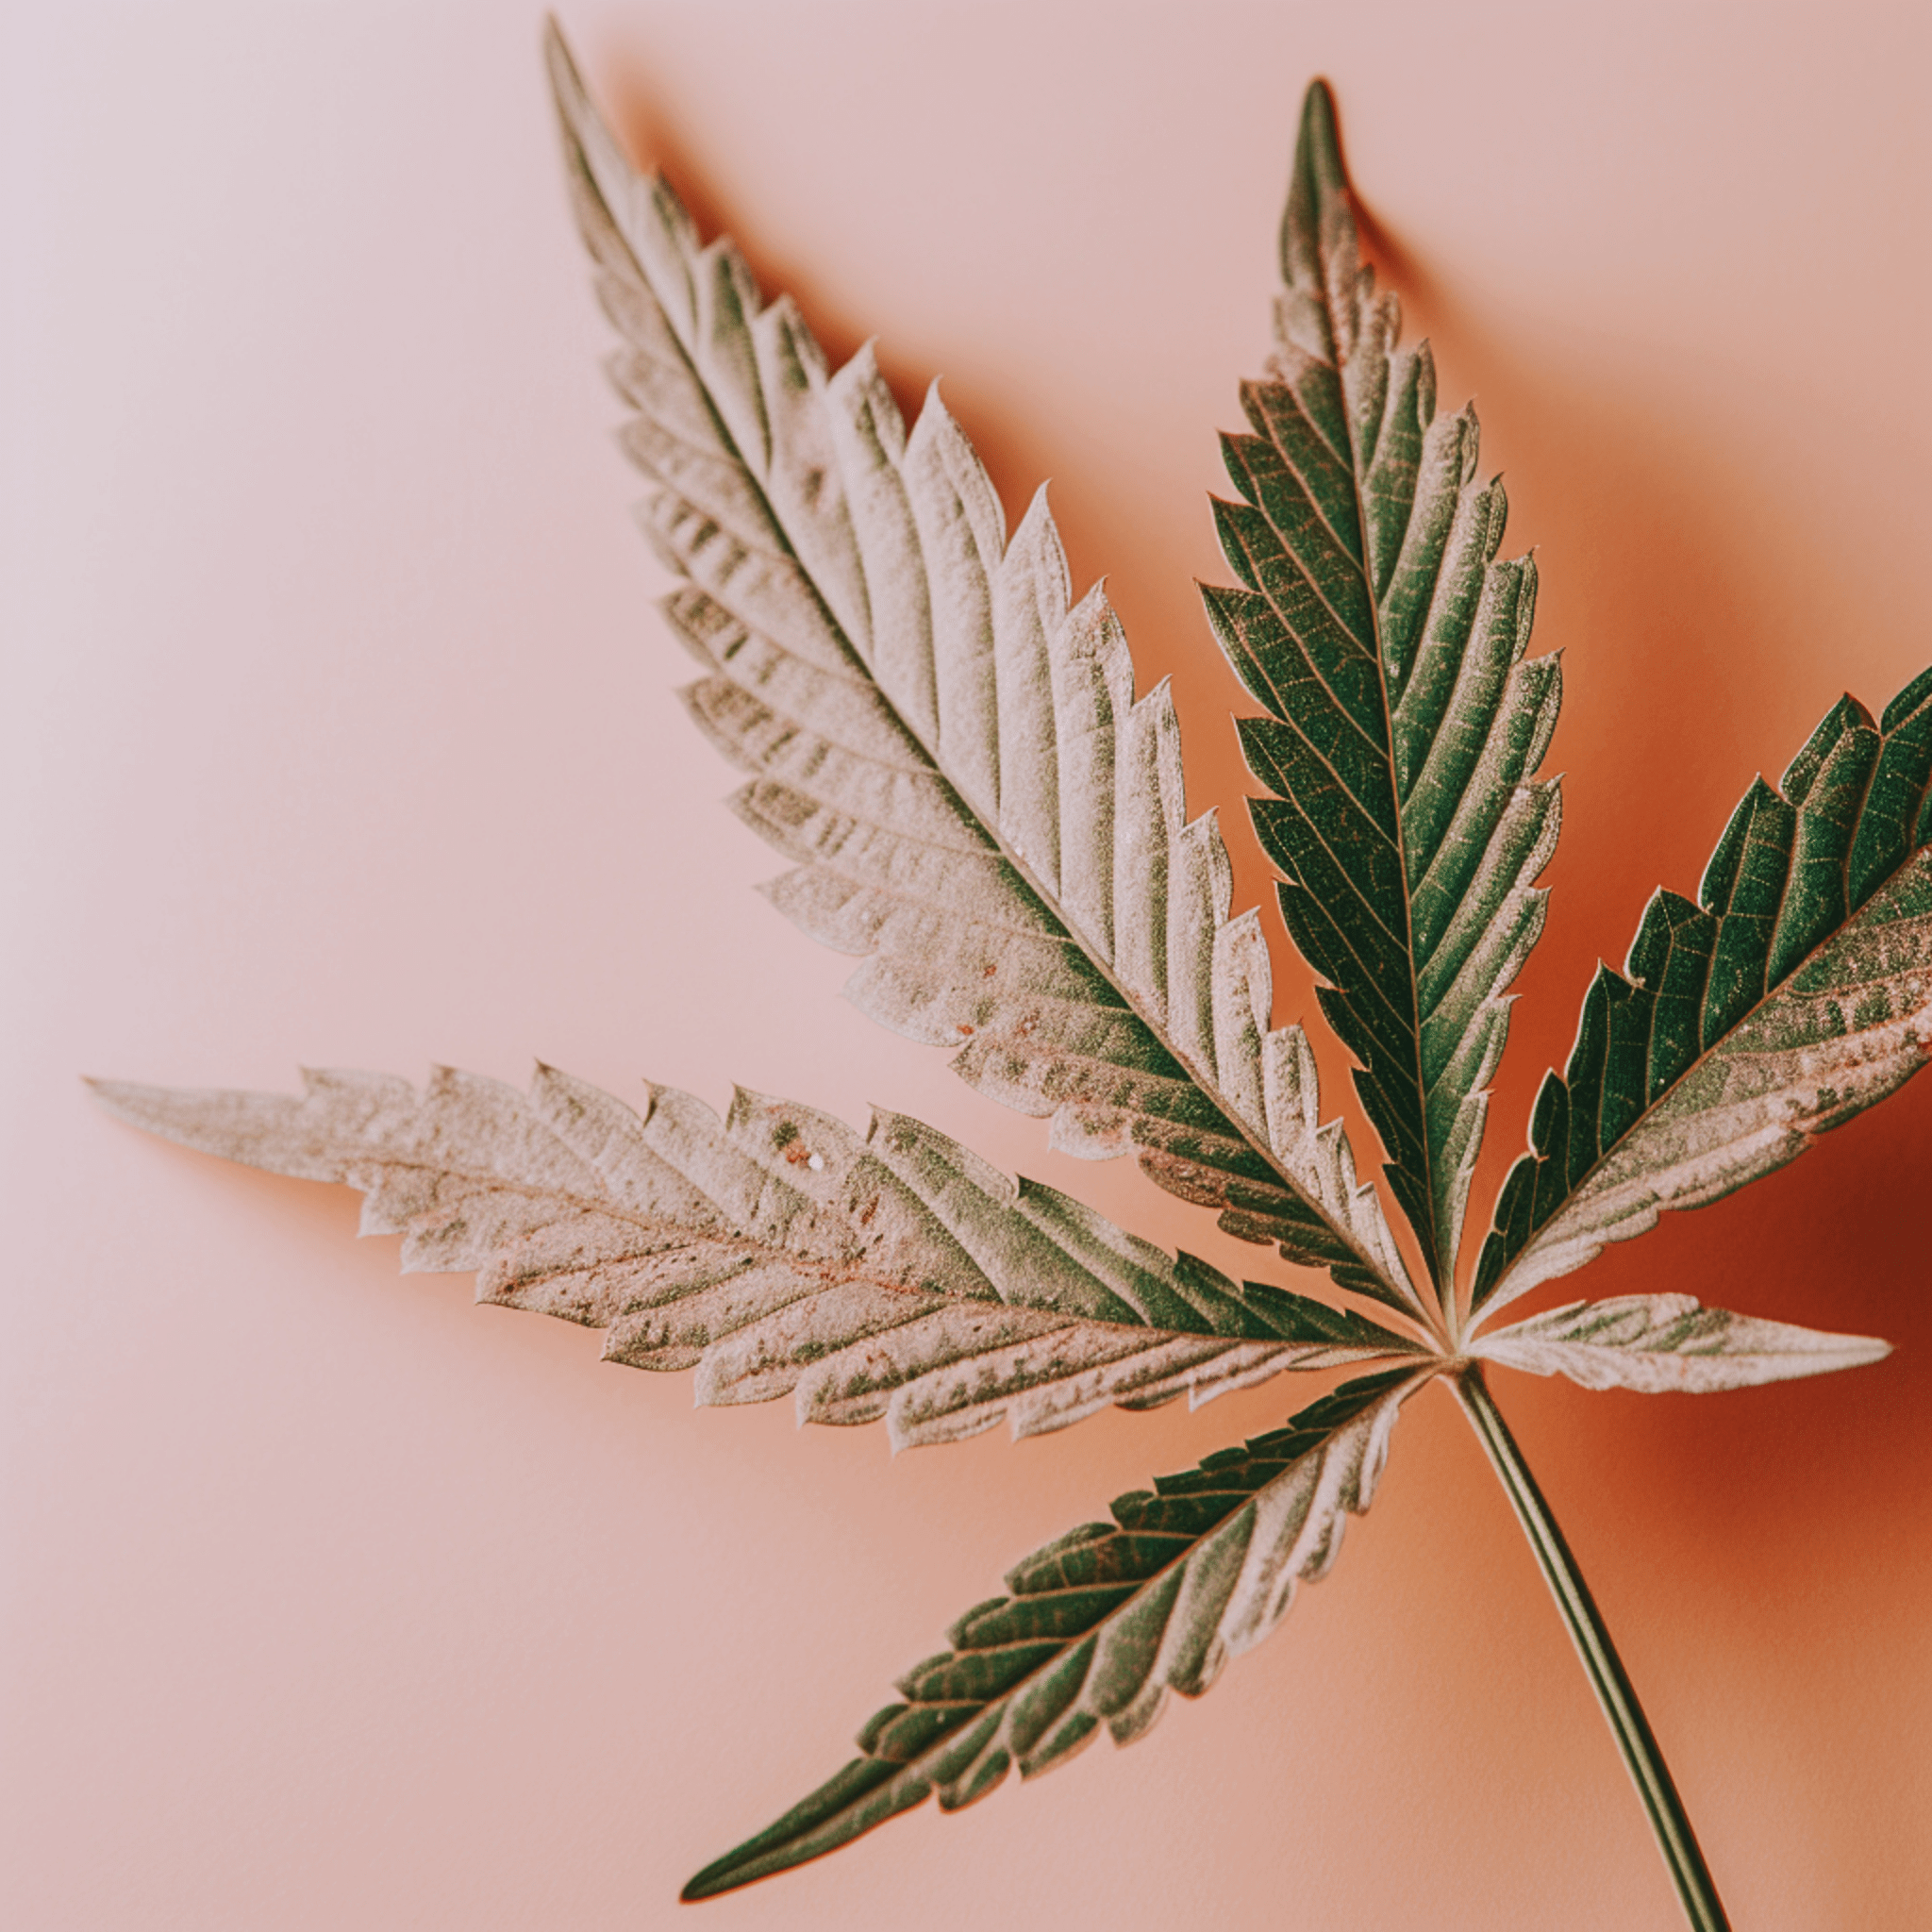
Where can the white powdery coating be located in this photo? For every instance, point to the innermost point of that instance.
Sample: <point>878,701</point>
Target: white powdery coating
<point>1007,843</point>
<point>1669,1343</point>
<point>892,1275</point>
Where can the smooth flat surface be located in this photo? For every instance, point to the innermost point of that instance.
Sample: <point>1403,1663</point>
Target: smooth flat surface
<point>339,730</point>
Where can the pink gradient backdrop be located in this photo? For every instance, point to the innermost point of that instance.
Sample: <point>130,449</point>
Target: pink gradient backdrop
<point>339,730</point>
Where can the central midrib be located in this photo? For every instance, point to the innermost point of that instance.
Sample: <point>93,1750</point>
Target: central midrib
<point>829,1271</point>
<point>1441,1277</point>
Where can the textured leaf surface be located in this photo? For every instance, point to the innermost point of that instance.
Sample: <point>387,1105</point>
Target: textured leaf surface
<point>776,1251</point>
<point>1662,1344</point>
<point>949,747</point>
<point>1795,992</point>
<point>1102,1625</point>
<point>1385,640</point>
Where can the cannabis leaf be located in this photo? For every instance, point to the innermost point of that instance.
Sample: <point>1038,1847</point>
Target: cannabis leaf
<point>1102,1625</point>
<point>949,747</point>
<point>1385,640</point>
<point>776,1252</point>
<point>1794,993</point>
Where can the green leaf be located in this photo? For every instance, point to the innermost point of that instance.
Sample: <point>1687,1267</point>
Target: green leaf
<point>1385,640</point>
<point>1102,1625</point>
<point>1667,1343</point>
<point>892,1275</point>
<point>949,747</point>
<point>1794,993</point>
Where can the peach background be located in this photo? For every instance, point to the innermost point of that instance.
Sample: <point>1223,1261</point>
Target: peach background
<point>339,730</point>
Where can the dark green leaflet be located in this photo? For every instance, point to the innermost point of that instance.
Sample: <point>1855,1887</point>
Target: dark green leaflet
<point>949,748</point>
<point>1792,993</point>
<point>1102,1625</point>
<point>1385,640</point>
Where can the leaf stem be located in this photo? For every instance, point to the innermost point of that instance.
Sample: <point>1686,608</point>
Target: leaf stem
<point>1635,1740</point>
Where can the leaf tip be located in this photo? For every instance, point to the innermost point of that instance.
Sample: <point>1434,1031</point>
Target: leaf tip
<point>566,83</point>
<point>713,1879</point>
<point>1317,128</point>
<point>139,1106</point>
<point>1318,163</point>
<point>122,1099</point>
